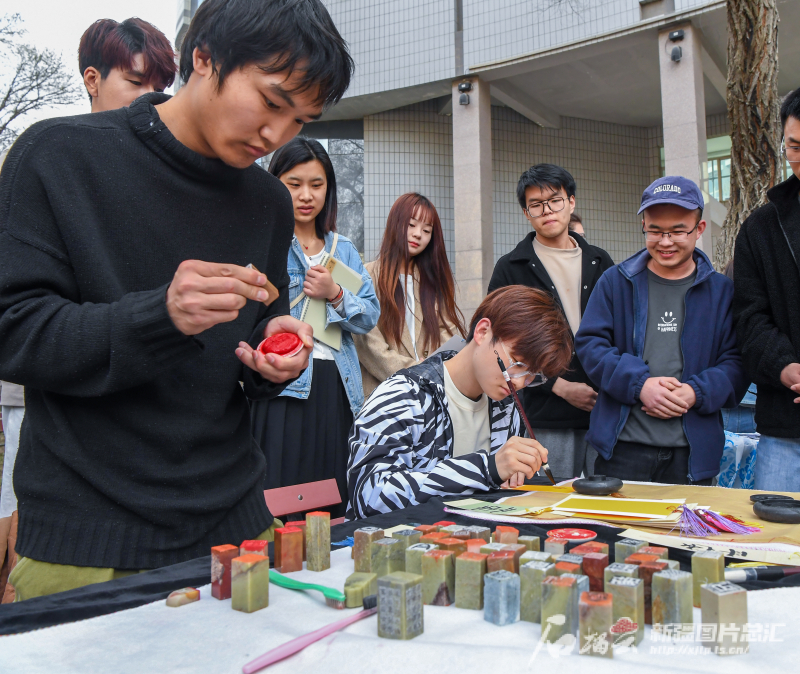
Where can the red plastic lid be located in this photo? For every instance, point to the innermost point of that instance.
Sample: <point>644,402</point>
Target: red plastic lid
<point>282,344</point>
<point>572,534</point>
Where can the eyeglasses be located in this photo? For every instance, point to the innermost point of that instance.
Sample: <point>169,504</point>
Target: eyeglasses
<point>556,204</point>
<point>790,153</point>
<point>517,370</point>
<point>677,237</point>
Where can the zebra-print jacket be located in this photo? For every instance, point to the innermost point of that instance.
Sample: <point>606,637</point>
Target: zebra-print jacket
<point>402,440</point>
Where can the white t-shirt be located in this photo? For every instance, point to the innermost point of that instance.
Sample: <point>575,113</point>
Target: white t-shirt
<point>471,427</point>
<point>407,283</point>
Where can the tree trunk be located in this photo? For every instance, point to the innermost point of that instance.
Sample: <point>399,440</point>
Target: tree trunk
<point>753,112</point>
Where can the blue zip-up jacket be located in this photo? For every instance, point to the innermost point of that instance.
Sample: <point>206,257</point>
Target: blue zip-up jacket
<point>610,344</point>
<point>361,313</point>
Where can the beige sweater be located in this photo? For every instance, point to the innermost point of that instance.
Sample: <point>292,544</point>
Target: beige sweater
<point>378,359</point>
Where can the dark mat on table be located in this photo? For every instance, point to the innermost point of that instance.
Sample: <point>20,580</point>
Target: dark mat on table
<point>143,588</point>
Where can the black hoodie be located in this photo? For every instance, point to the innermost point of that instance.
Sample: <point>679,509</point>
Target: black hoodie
<point>766,305</point>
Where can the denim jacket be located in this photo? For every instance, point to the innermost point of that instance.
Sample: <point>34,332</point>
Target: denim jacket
<point>361,314</point>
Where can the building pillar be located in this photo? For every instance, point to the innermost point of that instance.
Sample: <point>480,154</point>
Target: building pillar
<point>472,188</point>
<point>683,107</point>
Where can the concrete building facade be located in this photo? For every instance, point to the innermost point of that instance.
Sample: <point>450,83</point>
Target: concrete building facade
<point>619,92</point>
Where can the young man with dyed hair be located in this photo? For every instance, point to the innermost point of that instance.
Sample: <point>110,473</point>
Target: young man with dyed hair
<point>448,425</point>
<point>557,260</point>
<point>127,309</point>
<point>767,312</point>
<point>657,339</point>
<point>121,61</point>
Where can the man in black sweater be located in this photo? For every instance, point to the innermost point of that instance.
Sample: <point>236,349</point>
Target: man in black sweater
<point>767,313</point>
<point>136,450</point>
<point>559,261</point>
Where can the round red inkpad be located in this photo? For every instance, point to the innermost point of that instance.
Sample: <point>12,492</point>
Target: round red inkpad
<point>282,344</point>
<point>572,534</point>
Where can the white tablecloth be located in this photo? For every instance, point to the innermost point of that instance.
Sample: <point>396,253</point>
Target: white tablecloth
<point>208,636</point>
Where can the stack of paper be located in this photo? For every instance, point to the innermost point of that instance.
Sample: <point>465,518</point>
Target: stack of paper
<point>652,512</point>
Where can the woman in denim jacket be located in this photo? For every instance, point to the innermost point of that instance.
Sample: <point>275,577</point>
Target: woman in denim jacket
<point>304,431</point>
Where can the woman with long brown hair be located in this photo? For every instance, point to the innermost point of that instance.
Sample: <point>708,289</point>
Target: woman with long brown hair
<point>415,287</point>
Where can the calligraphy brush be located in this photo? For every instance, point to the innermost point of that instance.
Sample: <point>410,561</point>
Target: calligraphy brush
<point>545,466</point>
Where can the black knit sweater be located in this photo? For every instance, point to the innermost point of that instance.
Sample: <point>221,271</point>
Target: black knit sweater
<point>136,449</point>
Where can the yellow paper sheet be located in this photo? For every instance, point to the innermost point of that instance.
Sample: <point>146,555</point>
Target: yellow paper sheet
<point>604,505</point>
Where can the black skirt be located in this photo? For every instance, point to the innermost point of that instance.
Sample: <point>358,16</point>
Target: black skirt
<point>306,440</point>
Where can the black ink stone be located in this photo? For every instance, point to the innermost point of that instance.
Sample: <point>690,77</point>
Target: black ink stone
<point>755,498</point>
<point>597,485</point>
<point>785,512</point>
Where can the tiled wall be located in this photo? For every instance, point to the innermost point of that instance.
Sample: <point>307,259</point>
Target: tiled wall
<point>655,141</point>
<point>407,150</point>
<point>396,43</point>
<point>495,30</point>
<point>683,5</point>
<point>401,43</point>
<point>410,149</point>
<point>611,165</point>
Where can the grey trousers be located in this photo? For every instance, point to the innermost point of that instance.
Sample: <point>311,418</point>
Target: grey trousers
<point>568,453</point>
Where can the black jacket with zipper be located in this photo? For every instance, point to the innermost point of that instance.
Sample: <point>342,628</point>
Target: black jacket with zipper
<point>523,267</point>
<point>766,310</point>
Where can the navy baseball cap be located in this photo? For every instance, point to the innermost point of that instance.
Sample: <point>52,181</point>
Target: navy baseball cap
<point>673,190</point>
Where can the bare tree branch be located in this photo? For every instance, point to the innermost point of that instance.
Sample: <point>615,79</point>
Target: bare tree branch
<point>31,79</point>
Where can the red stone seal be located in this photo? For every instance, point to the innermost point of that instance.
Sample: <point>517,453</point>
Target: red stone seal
<point>285,344</point>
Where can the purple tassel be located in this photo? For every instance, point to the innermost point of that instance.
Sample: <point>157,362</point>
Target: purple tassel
<point>726,524</point>
<point>708,523</point>
<point>692,525</point>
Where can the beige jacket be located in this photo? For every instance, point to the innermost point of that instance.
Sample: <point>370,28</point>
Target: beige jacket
<point>378,359</point>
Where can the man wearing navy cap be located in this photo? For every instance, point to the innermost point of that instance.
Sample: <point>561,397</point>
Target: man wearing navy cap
<point>657,338</point>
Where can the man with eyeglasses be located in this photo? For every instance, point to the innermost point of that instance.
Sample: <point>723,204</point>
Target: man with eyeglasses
<point>557,260</point>
<point>766,308</point>
<point>657,338</point>
<point>448,425</point>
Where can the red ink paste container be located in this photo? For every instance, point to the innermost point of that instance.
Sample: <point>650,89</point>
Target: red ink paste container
<point>572,534</point>
<point>285,344</point>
